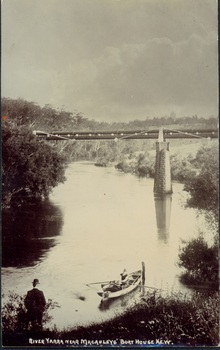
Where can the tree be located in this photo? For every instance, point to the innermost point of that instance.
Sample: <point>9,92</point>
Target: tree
<point>199,260</point>
<point>21,112</point>
<point>29,168</point>
<point>203,188</point>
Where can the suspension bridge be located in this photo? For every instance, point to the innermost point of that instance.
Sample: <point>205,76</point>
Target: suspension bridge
<point>162,179</point>
<point>124,134</point>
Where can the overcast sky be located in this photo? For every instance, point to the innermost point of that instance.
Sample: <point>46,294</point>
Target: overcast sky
<point>112,60</point>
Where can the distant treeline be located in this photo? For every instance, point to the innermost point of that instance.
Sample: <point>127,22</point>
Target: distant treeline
<point>21,112</point>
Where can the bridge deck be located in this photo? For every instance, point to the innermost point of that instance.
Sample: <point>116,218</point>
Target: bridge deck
<point>127,135</point>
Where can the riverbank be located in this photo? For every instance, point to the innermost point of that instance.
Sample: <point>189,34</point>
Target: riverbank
<point>156,320</point>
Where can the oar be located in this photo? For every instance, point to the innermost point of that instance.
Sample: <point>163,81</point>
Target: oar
<point>89,284</point>
<point>152,287</point>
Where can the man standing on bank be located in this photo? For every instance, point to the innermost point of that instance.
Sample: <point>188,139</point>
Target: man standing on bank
<point>35,303</point>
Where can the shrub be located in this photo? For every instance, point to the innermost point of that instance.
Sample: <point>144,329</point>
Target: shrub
<point>199,260</point>
<point>177,319</point>
<point>14,313</point>
<point>203,187</point>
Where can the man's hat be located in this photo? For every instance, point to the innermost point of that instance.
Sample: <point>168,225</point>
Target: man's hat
<point>36,281</point>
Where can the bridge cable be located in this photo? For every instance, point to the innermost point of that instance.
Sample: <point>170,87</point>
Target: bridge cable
<point>58,136</point>
<point>188,133</point>
<point>68,139</point>
<point>135,134</point>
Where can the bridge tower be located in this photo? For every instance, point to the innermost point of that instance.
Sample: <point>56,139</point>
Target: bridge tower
<point>162,180</point>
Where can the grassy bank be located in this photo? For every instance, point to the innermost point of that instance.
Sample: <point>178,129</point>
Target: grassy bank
<point>156,320</point>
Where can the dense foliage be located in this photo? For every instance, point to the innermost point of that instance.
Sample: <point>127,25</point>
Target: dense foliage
<point>156,320</point>
<point>14,313</point>
<point>20,112</point>
<point>203,187</point>
<point>29,168</point>
<point>200,261</point>
<point>141,164</point>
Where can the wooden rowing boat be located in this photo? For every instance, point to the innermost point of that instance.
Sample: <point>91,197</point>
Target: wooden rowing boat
<point>116,289</point>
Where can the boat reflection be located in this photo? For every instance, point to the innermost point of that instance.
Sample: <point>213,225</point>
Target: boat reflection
<point>122,301</point>
<point>163,213</point>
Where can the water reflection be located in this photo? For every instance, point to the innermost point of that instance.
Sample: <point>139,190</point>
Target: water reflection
<point>122,301</point>
<point>163,213</point>
<point>29,232</point>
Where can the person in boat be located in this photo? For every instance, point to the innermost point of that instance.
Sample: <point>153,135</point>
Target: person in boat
<point>124,277</point>
<point>112,286</point>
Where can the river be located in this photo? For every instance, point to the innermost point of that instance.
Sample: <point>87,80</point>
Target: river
<point>97,223</point>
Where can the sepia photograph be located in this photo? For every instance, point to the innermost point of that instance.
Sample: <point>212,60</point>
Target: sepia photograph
<point>110,174</point>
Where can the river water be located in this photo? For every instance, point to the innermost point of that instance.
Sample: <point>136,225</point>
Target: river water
<point>97,223</point>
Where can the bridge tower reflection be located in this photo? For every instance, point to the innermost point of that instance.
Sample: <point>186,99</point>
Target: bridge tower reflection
<point>163,213</point>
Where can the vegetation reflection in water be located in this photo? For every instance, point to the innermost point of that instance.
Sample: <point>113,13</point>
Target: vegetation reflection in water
<point>29,232</point>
